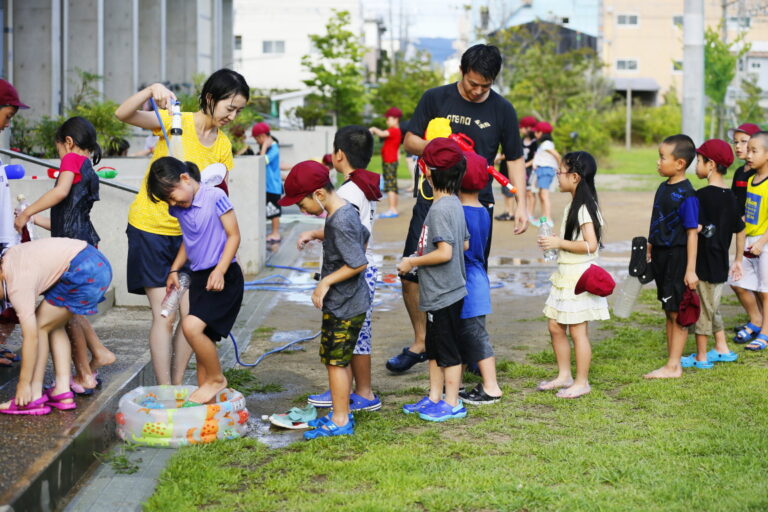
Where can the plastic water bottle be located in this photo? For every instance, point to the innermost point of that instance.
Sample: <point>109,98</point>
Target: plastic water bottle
<point>177,147</point>
<point>626,297</point>
<point>545,230</point>
<point>28,232</point>
<point>172,298</point>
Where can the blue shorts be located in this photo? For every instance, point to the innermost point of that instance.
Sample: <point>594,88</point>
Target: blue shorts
<point>150,257</point>
<point>544,177</point>
<point>83,285</point>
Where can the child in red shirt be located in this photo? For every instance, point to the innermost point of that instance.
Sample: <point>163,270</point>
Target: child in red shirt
<point>390,156</point>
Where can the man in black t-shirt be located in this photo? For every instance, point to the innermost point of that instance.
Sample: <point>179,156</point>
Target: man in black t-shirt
<point>476,110</point>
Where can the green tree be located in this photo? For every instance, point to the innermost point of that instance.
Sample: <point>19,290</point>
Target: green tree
<point>405,85</point>
<point>720,60</point>
<point>748,107</point>
<point>567,88</point>
<point>336,69</point>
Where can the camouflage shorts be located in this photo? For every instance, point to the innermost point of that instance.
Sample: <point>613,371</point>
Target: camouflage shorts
<point>338,339</point>
<point>389,171</point>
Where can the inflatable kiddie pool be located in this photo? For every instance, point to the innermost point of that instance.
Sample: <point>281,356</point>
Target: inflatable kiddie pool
<point>153,416</point>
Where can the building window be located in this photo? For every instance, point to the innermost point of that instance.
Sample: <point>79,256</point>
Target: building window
<point>626,65</point>
<point>273,46</point>
<point>677,21</point>
<point>626,19</point>
<point>739,22</point>
<point>238,42</point>
<point>754,65</point>
<point>677,65</point>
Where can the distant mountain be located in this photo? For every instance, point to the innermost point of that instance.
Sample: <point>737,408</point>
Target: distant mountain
<point>439,47</point>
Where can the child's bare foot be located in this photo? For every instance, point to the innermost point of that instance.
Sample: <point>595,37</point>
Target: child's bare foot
<point>558,383</point>
<point>84,381</point>
<point>102,358</point>
<point>208,391</point>
<point>574,391</point>
<point>665,373</point>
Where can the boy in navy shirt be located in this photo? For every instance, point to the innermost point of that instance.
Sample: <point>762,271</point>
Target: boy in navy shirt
<point>672,243</point>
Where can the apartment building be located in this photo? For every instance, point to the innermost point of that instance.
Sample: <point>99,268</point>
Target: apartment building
<point>641,43</point>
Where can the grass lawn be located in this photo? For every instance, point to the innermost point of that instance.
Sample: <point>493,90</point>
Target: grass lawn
<point>695,443</point>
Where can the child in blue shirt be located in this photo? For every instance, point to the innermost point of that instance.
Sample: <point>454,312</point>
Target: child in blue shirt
<point>271,152</point>
<point>673,242</point>
<point>476,347</point>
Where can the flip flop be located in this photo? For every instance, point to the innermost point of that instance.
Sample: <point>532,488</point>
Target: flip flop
<point>57,401</point>
<point>33,408</point>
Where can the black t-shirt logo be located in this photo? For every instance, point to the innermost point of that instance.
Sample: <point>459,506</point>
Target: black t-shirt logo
<point>482,125</point>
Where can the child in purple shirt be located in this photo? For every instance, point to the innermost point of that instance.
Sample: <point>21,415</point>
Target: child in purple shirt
<point>210,240</point>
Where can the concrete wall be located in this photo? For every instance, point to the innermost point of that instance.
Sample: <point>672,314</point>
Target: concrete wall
<point>32,57</point>
<point>152,38</point>
<point>299,145</point>
<point>109,215</point>
<point>119,26</point>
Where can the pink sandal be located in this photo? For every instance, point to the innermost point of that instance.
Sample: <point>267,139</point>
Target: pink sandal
<point>57,401</point>
<point>34,408</point>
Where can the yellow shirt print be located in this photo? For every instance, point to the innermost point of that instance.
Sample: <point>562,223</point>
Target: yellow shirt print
<point>154,217</point>
<point>756,207</point>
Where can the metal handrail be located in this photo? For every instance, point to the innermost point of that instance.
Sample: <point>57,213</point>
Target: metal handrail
<point>43,163</point>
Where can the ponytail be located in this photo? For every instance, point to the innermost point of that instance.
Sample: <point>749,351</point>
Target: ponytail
<point>83,135</point>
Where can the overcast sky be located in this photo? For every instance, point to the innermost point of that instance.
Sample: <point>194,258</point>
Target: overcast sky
<point>426,18</point>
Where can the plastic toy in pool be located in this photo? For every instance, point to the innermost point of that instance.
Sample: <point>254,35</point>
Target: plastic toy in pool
<point>154,416</point>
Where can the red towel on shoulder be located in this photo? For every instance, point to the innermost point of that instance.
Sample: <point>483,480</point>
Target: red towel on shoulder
<point>368,182</point>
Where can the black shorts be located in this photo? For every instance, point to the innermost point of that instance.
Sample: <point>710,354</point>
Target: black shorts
<point>443,340</point>
<point>217,309</point>
<point>420,210</point>
<point>669,272</point>
<point>273,209</point>
<point>476,344</point>
<point>149,259</point>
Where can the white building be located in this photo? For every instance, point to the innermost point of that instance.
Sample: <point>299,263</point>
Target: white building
<point>271,38</point>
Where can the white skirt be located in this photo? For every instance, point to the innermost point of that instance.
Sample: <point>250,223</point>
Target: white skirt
<point>564,306</point>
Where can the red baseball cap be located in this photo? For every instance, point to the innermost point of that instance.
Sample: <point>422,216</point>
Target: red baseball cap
<point>304,178</point>
<point>748,128</point>
<point>528,122</point>
<point>9,95</point>
<point>595,280</point>
<point>718,151</point>
<point>328,159</point>
<point>393,112</point>
<point>476,175</point>
<point>543,127</point>
<point>442,153</point>
<point>259,129</point>
<point>690,308</point>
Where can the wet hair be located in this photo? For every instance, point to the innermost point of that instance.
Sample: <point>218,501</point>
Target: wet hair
<point>222,84</point>
<point>682,147</point>
<point>357,144</point>
<point>718,167</point>
<point>583,164</point>
<point>449,179</point>
<point>483,59</point>
<point>83,135</point>
<point>165,174</point>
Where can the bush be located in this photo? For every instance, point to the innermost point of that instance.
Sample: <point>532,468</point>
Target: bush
<point>649,124</point>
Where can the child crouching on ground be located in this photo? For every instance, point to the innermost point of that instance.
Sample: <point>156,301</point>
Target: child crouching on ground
<point>342,292</point>
<point>73,277</point>
<point>442,279</point>
<point>672,243</point>
<point>210,237</point>
<point>719,219</point>
<point>476,346</point>
<point>569,308</point>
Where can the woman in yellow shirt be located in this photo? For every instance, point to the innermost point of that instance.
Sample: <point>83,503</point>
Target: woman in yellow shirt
<point>154,237</point>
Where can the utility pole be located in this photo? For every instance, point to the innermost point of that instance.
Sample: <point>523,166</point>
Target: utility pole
<point>693,70</point>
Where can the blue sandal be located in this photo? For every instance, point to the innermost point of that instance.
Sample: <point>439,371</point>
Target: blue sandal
<point>759,343</point>
<point>745,336</point>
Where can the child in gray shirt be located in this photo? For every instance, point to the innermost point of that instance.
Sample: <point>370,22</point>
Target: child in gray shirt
<point>442,278</point>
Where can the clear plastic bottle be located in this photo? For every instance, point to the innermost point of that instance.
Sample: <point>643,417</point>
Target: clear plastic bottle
<point>624,301</point>
<point>546,230</point>
<point>28,232</point>
<point>172,298</point>
<point>177,147</point>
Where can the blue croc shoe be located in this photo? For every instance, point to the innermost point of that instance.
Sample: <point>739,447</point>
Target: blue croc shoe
<point>330,429</point>
<point>443,411</point>
<point>360,403</point>
<point>687,361</point>
<point>713,356</point>
<point>703,365</point>
<point>321,400</point>
<point>404,361</point>
<point>418,406</point>
<point>323,420</point>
